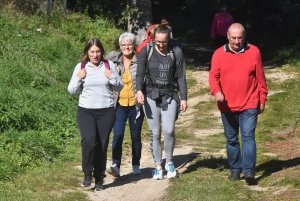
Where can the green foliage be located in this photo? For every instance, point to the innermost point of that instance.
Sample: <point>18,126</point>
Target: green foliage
<point>127,13</point>
<point>37,58</point>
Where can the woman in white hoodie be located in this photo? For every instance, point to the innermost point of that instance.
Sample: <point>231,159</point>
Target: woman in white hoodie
<point>96,79</point>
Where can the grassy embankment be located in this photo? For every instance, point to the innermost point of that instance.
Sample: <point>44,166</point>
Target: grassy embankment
<point>39,141</point>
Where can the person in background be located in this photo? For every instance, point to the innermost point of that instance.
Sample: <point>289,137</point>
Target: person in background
<point>150,37</point>
<point>220,25</point>
<point>126,106</point>
<point>96,113</point>
<point>238,83</point>
<point>156,82</point>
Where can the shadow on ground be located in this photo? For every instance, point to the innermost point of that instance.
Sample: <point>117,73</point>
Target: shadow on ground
<point>196,54</point>
<point>273,166</point>
<point>210,162</point>
<point>180,162</point>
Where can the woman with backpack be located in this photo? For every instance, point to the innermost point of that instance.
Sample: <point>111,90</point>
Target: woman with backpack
<point>95,79</point>
<point>159,77</point>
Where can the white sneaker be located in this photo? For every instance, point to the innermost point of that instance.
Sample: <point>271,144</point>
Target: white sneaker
<point>136,170</point>
<point>171,170</point>
<point>114,170</point>
<point>157,174</point>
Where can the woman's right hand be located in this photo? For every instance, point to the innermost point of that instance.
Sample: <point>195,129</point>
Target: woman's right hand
<point>82,74</point>
<point>140,97</point>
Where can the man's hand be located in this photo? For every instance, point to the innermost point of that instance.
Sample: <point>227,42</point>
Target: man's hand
<point>219,96</point>
<point>261,108</point>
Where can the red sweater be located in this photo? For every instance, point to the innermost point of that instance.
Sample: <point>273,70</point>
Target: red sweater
<point>240,77</point>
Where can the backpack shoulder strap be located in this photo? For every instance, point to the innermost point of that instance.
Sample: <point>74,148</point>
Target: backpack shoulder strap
<point>171,48</point>
<point>149,54</point>
<point>106,63</point>
<point>83,65</point>
<point>172,45</point>
<point>149,49</point>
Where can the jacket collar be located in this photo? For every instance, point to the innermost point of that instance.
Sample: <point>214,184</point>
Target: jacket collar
<point>245,47</point>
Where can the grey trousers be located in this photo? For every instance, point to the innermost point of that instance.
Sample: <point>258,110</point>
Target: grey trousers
<point>158,120</point>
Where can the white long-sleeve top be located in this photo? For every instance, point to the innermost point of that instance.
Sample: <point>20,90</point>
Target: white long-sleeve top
<point>96,89</point>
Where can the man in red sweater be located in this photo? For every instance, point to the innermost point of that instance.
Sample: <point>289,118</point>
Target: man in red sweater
<point>238,83</point>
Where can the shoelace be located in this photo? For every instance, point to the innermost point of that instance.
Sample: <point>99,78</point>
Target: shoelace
<point>171,167</point>
<point>155,172</point>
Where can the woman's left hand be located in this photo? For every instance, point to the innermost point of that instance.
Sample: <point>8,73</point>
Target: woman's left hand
<point>183,105</point>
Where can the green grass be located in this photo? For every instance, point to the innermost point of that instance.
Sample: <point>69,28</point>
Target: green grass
<point>206,179</point>
<point>48,182</point>
<point>40,142</point>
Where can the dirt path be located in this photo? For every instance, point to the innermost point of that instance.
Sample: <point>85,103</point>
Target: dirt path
<point>143,187</point>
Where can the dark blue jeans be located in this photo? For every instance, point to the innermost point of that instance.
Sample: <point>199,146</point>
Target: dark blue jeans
<point>122,114</point>
<point>245,121</point>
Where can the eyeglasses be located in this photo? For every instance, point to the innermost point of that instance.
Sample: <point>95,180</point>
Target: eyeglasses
<point>161,42</point>
<point>126,45</point>
<point>239,38</point>
<point>224,10</point>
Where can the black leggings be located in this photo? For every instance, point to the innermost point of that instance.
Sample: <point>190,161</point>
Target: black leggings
<point>95,126</point>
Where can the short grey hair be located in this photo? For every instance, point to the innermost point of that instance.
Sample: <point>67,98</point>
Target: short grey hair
<point>127,37</point>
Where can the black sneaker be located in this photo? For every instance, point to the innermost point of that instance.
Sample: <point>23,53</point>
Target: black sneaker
<point>87,181</point>
<point>249,178</point>
<point>99,185</point>
<point>234,176</point>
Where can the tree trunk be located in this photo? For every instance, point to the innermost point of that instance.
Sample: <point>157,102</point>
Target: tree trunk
<point>139,26</point>
<point>65,7</point>
<point>48,8</point>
